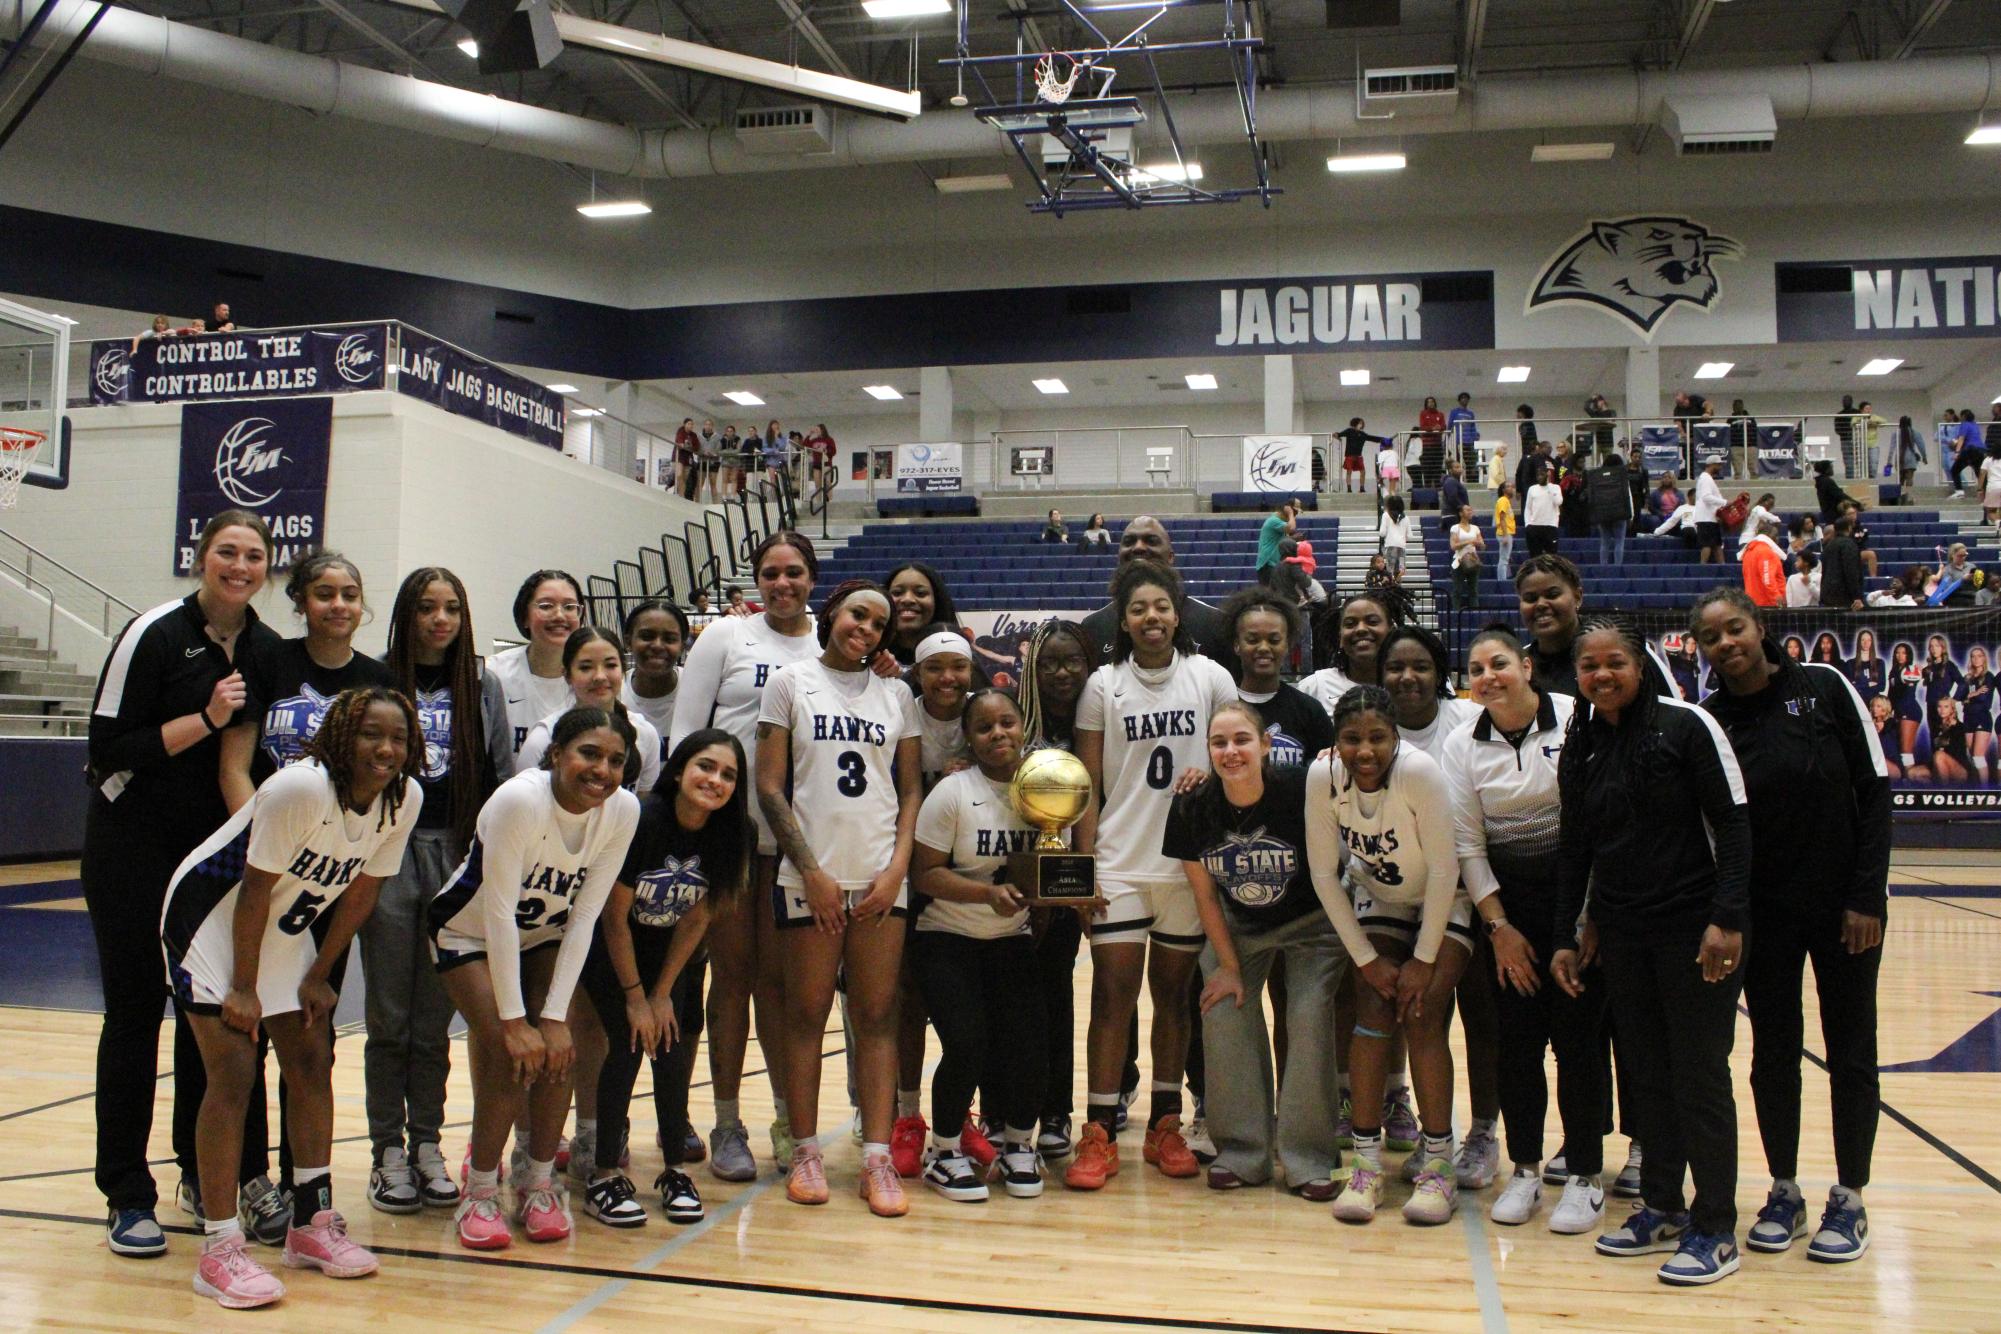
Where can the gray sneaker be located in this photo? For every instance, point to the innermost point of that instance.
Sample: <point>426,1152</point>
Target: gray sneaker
<point>583,1157</point>
<point>265,1211</point>
<point>729,1154</point>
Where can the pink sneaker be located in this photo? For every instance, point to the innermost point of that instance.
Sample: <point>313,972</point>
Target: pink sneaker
<point>480,1222</point>
<point>325,1246</point>
<point>227,1273</point>
<point>543,1215</point>
<point>465,1168</point>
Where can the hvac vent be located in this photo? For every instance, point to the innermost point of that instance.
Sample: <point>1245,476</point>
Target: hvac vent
<point>1422,90</point>
<point>801,129</point>
<point>1716,126</point>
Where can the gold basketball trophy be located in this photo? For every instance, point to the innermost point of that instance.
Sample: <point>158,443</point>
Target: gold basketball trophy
<point>1051,791</point>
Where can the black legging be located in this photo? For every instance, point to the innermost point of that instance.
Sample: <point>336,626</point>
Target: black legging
<point>1846,985</point>
<point>1528,1027</point>
<point>1056,982</point>
<point>985,999</point>
<point>671,1072</point>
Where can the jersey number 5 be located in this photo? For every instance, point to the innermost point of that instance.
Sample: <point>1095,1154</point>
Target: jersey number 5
<point>302,912</point>
<point>853,781</point>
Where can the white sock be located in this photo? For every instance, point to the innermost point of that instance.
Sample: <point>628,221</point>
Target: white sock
<point>1369,1149</point>
<point>539,1173</point>
<point>728,1113</point>
<point>908,1103</point>
<point>1395,1082</point>
<point>215,1231</point>
<point>1017,1139</point>
<point>587,1129</point>
<point>478,1181</point>
<point>779,1110</point>
<point>1848,1196</point>
<point>943,1144</point>
<point>1438,1146</point>
<point>1483,1123</point>
<point>871,1149</point>
<point>1786,1184</point>
<point>306,1176</point>
<point>1907,759</point>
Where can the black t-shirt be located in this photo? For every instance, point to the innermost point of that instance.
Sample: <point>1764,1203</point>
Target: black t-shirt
<point>288,694</point>
<point>670,869</point>
<point>1299,728</point>
<point>434,718</point>
<point>1255,854</point>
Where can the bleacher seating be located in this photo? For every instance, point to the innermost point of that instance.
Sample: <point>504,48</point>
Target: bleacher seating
<point>1261,502</point>
<point>1661,573</point>
<point>926,504</point>
<point>1002,566</point>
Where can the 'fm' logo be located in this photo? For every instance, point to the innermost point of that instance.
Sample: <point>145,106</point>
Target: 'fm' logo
<point>354,358</point>
<point>111,372</point>
<point>244,451</point>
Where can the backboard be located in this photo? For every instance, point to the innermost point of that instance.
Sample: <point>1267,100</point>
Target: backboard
<point>34,384</point>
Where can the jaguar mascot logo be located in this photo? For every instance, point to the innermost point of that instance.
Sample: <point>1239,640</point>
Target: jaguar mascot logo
<point>1639,269</point>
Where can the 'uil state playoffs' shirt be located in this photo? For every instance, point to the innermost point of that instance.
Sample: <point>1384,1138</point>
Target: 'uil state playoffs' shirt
<point>670,869</point>
<point>288,697</point>
<point>1256,854</point>
<point>1298,726</point>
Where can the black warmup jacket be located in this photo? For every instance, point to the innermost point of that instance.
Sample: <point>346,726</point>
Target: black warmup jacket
<point>1654,823</point>
<point>1819,792</point>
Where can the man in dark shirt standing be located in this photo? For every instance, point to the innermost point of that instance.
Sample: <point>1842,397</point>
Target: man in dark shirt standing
<point>1145,538</point>
<point>1841,567</point>
<point>220,320</point>
<point>1452,491</point>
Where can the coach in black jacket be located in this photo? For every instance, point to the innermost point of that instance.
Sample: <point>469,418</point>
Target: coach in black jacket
<point>1820,864</point>
<point>1841,567</point>
<point>1654,825</point>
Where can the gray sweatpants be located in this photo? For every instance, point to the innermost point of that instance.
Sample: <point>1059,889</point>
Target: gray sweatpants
<point>1240,1108</point>
<point>408,1055</point>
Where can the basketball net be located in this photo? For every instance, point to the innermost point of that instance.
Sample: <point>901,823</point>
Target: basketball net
<point>1051,87</point>
<point>17,451</point>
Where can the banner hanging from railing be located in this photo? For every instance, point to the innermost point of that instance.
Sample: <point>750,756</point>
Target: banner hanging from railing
<point>260,363</point>
<point>930,468</point>
<point>451,378</point>
<point>1278,463</point>
<point>267,456</point>
<point>1660,450</point>
<point>1779,451</point>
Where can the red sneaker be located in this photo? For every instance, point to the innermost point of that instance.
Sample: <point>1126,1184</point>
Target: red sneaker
<point>906,1145</point>
<point>1167,1150</point>
<point>973,1142</point>
<point>1095,1162</point>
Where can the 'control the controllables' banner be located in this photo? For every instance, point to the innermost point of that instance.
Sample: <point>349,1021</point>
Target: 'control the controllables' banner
<point>257,363</point>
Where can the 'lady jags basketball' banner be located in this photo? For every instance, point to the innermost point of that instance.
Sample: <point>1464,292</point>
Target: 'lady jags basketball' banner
<point>448,377</point>
<point>259,363</point>
<point>1927,676</point>
<point>267,456</point>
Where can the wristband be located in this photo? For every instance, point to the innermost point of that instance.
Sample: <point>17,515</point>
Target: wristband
<point>631,986</point>
<point>1494,926</point>
<point>207,722</point>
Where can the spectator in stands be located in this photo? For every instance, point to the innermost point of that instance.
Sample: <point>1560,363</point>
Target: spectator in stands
<point>1541,512</point>
<point>686,458</point>
<point>1525,430</point>
<point>1844,428</point>
<point>1841,567</point>
<point>1353,440</point>
<point>1504,526</point>
<point>698,604</point>
<point>1053,529</point>
<point>192,327</point>
<point>1906,590</point>
<point>1389,469</point>
<point>1870,565</point>
<point>1601,415</point>
<point>1764,566</point>
<point>1145,538</point>
<point>1430,430</point>
<point>1095,533</point>
<point>1910,447</point>
<point>1967,448</point>
<point>220,320</point>
<point>713,449</point>
<point>1462,433</point>
<point>1393,533</point>
<point>1452,495</point>
<point>1609,499</point>
<point>1990,478</point>
<point>1529,467</point>
<point>1827,492</point>
<point>1803,538</point>
<point>1708,500</point>
<point>1803,585</point>
<point>1467,544</point>
<point>735,604</point>
<point>1866,424</point>
<point>1763,511</point>
<point>1744,435</point>
<point>1956,579</point>
<point>1686,411</point>
<point>1278,526</point>
<point>162,328</point>
<point>1661,504</point>
<point>1636,482</point>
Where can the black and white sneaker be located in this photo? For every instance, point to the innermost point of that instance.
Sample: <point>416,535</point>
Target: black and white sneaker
<point>1054,1139</point>
<point>392,1185</point>
<point>1020,1171</point>
<point>435,1186</point>
<point>951,1175</point>
<point>678,1197</point>
<point>265,1211</point>
<point>614,1202</point>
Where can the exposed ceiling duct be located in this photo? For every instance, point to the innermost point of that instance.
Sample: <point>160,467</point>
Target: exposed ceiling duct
<point>1529,102</point>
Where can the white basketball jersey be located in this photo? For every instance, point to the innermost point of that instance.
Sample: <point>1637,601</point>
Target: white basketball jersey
<point>941,741</point>
<point>969,818</point>
<point>722,683</point>
<point>845,728</point>
<point>1380,831</point>
<point>530,698</point>
<point>1156,724</point>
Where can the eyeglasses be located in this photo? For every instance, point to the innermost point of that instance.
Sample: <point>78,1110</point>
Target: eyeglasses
<point>566,608</point>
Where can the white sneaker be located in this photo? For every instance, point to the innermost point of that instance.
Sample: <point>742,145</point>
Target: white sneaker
<point>1582,1207</point>
<point>1957,495</point>
<point>392,1185</point>
<point>1519,1198</point>
<point>434,1178</point>
<point>951,1174</point>
<point>1200,1143</point>
<point>1479,1158</point>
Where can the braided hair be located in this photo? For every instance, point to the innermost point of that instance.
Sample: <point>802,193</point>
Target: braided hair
<point>1358,700</point>
<point>333,746</point>
<point>467,783</point>
<point>1791,680</point>
<point>1035,719</point>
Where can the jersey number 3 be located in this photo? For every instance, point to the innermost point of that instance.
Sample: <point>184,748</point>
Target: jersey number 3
<point>853,781</point>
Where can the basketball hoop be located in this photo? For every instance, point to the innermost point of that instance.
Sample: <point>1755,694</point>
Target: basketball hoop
<point>1051,87</point>
<point>17,452</point>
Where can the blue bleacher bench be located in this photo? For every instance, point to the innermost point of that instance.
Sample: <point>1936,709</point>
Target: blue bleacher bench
<point>1238,501</point>
<point>889,507</point>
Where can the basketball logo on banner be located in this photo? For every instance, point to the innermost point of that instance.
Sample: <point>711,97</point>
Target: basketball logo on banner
<point>1278,463</point>
<point>267,456</point>
<point>354,358</point>
<point>111,373</point>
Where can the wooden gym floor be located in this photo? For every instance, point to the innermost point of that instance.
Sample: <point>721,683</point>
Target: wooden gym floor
<point>1146,1253</point>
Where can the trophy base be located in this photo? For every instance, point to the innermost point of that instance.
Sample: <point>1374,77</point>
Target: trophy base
<point>1054,877</point>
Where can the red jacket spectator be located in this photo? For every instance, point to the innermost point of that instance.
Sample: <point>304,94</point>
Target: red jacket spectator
<point>1764,572</point>
<point>1431,422</point>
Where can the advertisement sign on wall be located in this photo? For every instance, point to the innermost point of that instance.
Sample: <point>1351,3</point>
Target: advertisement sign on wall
<point>267,456</point>
<point>929,468</point>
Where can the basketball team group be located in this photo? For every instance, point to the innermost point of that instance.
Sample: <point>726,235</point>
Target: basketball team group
<point>595,846</point>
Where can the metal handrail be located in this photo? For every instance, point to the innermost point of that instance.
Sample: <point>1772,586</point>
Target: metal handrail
<point>107,600</point>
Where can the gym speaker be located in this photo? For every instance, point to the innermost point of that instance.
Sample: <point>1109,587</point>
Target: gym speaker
<point>513,35</point>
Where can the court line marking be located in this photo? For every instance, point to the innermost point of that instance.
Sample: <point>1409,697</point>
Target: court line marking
<point>767,1289</point>
<point>1948,903</point>
<point>1493,1311</point>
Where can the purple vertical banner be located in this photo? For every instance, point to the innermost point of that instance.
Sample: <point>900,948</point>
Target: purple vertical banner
<point>267,456</point>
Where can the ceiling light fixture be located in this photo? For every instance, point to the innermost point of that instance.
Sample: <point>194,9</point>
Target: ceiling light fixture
<point>743,398</point>
<point>1512,375</point>
<point>561,388</point>
<point>1714,370</point>
<point>1200,381</point>
<point>615,208</point>
<point>1354,379</point>
<point>1052,386</point>
<point>966,185</point>
<point>885,392</point>
<point>1176,172</point>
<point>1984,135</point>
<point>587,412</point>
<point>1366,162</point>
<point>905,9</point>
<point>1881,366</point>
<point>470,47</point>
<point>1591,152</point>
